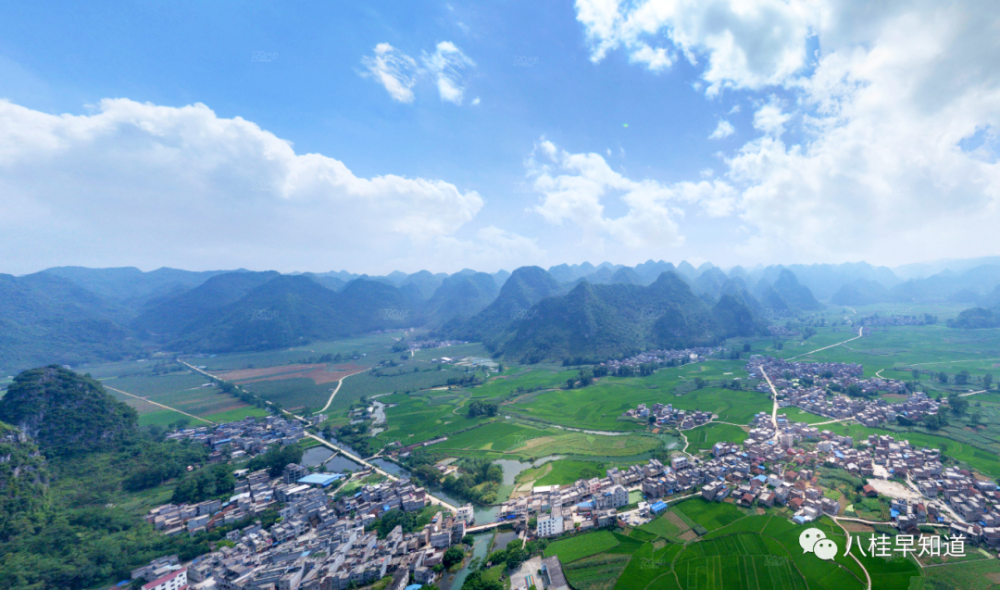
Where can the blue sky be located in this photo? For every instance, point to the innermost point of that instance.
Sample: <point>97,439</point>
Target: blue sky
<point>736,132</point>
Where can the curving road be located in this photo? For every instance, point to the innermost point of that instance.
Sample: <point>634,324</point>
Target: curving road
<point>332,394</point>
<point>774,409</point>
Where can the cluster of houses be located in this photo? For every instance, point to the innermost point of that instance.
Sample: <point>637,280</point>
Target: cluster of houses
<point>319,543</point>
<point>805,386</point>
<point>780,368</point>
<point>664,357</point>
<point>422,344</point>
<point>243,438</point>
<point>586,504</point>
<point>897,320</point>
<point>666,415</point>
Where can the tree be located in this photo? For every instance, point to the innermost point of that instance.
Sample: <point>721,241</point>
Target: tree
<point>962,378</point>
<point>699,383</point>
<point>942,377</point>
<point>987,380</point>
<point>452,556</point>
<point>515,557</point>
<point>975,419</point>
<point>746,347</point>
<point>958,404</point>
<point>916,374</point>
<point>652,420</point>
<point>570,383</point>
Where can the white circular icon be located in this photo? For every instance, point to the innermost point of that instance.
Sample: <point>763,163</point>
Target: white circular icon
<point>809,537</point>
<point>825,549</point>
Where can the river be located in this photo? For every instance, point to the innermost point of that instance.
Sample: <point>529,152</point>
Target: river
<point>480,547</point>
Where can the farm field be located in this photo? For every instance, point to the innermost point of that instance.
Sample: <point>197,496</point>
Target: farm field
<point>736,550</point>
<point>583,545</point>
<point>936,348</point>
<point>704,437</point>
<point>599,406</point>
<point>515,440</point>
<point>181,390</point>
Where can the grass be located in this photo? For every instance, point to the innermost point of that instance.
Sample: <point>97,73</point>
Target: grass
<point>237,414</point>
<point>711,515</point>
<point>979,575</point>
<point>515,440</point>
<point>165,418</point>
<point>892,574</point>
<point>704,437</point>
<point>599,406</point>
<point>579,546</point>
<point>598,572</point>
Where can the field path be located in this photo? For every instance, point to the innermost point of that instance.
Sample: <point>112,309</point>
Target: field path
<point>339,383</point>
<point>149,401</point>
<point>860,332</point>
<point>855,557</point>
<point>972,393</point>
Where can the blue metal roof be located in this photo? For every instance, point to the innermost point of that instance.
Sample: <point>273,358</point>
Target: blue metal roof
<point>323,479</point>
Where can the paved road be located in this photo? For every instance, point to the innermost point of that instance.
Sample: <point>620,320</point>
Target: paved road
<point>774,409</point>
<point>149,401</point>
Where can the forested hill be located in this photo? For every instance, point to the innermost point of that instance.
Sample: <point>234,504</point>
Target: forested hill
<point>66,413</point>
<point>73,471</point>
<point>600,321</point>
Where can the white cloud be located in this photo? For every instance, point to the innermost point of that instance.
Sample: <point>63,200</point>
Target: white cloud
<point>394,70</point>
<point>475,101</point>
<point>747,43</point>
<point>876,168</point>
<point>576,188</point>
<point>722,130</point>
<point>770,119</point>
<point>446,64</point>
<point>143,184</point>
<point>399,73</point>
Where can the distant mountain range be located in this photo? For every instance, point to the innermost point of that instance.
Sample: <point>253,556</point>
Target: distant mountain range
<point>74,315</point>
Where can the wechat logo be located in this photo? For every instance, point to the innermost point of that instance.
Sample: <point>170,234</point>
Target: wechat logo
<point>815,541</point>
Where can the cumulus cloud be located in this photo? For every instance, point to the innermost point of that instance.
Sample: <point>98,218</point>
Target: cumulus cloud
<point>879,164</point>
<point>394,70</point>
<point>746,43</point>
<point>398,73</point>
<point>576,188</point>
<point>135,183</point>
<point>722,130</point>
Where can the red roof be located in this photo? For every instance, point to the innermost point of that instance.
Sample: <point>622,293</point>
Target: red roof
<point>164,579</point>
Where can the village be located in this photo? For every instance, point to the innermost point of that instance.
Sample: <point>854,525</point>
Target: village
<point>324,540</point>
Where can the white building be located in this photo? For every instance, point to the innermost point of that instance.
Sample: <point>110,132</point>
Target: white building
<point>550,525</point>
<point>177,580</point>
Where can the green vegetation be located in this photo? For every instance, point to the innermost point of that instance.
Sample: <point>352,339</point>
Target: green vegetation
<point>65,413</point>
<point>86,529</point>
<point>410,521</point>
<point>621,319</point>
<point>582,545</point>
<point>703,437</point>
<point>275,459</point>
